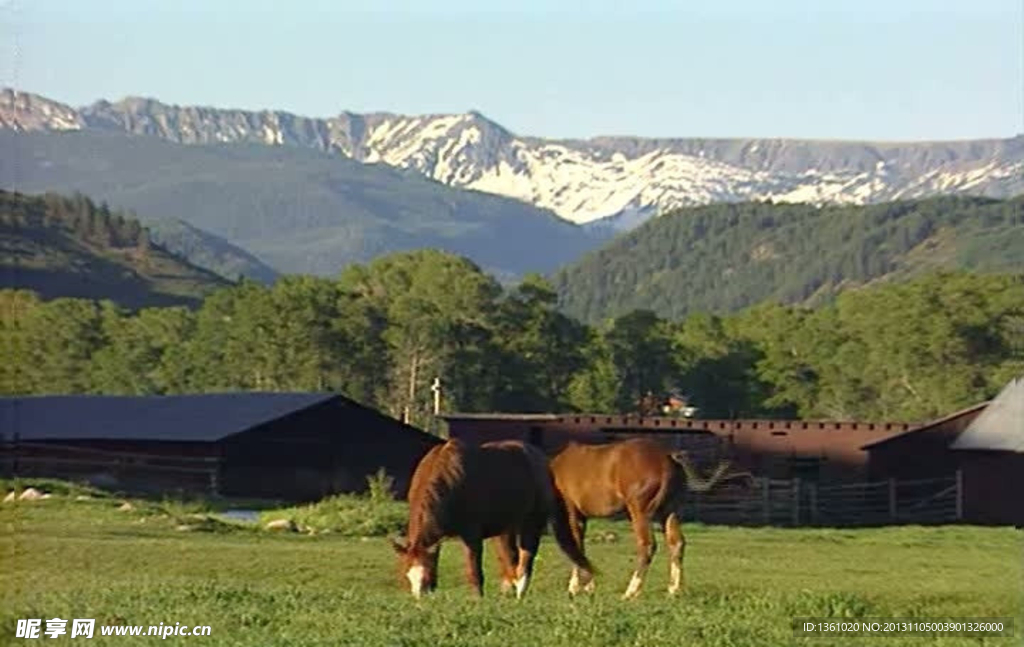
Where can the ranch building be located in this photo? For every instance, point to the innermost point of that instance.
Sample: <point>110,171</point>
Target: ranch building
<point>984,444</point>
<point>283,446</point>
<point>811,450</point>
<point>979,450</point>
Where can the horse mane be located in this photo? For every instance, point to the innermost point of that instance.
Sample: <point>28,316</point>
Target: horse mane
<point>437,476</point>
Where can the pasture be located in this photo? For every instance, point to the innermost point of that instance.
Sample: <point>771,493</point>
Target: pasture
<point>70,558</point>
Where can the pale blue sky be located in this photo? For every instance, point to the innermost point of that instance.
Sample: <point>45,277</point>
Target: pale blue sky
<point>862,69</point>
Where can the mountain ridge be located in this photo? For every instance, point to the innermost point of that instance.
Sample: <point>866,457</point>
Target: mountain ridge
<point>620,180</point>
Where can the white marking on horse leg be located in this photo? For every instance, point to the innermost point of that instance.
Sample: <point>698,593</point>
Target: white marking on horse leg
<point>634,586</point>
<point>574,581</point>
<point>675,578</point>
<point>521,582</point>
<point>415,576</point>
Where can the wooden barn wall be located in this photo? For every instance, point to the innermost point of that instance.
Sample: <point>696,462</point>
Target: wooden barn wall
<point>921,454</point>
<point>327,449</point>
<point>136,466</point>
<point>993,486</point>
<point>774,448</point>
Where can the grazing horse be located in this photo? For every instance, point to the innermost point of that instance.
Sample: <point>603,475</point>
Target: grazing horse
<point>640,476</point>
<point>502,491</point>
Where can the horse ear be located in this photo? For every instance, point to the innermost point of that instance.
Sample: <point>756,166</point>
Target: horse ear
<point>432,550</point>
<point>398,546</point>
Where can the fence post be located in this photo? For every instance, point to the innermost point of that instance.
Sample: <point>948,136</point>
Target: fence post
<point>812,502</point>
<point>959,494</point>
<point>796,501</point>
<point>766,501</point>
<point>214,484</point>
<point>892,498</point>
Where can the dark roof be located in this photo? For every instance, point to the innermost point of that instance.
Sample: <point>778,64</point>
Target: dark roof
<point>1000,427</point>
<point>191,418</point>
<point>926,426</point>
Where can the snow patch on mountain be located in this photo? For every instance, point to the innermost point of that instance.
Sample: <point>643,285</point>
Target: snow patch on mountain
<point>608,181</point>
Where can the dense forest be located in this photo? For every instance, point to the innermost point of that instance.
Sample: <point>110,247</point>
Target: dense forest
<point>208,251</point>
<point>382,331</point>
<point>70,246</point>
<point>723,257</point>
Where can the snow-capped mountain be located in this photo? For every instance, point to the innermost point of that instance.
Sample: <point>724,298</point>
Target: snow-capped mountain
<point>608,181</point>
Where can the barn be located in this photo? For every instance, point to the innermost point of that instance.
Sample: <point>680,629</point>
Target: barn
<point>984,444</point>
<point>781,449</point>
<point>285,446</point>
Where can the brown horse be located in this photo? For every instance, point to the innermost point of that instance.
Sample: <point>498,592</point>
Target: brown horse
<point>641,477</point>
<point>501,490</point>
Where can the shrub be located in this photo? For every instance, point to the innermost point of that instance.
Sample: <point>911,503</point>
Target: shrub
<point>374,513</point>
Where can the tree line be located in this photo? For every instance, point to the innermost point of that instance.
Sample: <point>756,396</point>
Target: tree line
<point>381,332</point>
<point>79,216</point>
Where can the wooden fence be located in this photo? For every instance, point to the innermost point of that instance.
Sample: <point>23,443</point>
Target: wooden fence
<point>120,471</point>
<point>776,502</point>
<point>769,502</point>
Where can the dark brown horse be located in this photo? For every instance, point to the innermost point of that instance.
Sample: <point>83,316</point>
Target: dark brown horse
<point>641,477</point>
<point>499,490</point>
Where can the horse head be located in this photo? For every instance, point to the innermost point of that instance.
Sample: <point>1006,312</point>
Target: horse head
<point>418,565</point>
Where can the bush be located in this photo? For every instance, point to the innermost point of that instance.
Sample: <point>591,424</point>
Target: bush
<point>373,514</point>
<point>381,487</point>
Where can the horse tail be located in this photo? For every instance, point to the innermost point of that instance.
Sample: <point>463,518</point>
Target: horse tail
<point>556,509</point>
<point>695,483</point>
<point>564,535</point>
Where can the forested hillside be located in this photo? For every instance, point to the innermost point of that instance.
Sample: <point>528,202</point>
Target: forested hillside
<point>382,332</point>
<point>209,251</point>
<point>298,210</point>
<point>724,257</point>
<point>70,247</point>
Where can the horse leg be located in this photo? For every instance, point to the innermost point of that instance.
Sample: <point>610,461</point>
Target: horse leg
<point>578,525</point>
<point>506,548</point>
<point>474,572</point>
<point>529,542</point>
<point>645,548</point>
<point>676,542</point>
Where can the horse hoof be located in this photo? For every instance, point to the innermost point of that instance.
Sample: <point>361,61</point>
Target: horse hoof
<point>576,590</point>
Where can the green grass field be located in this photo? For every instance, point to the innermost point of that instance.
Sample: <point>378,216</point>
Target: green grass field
<point>87,559</point>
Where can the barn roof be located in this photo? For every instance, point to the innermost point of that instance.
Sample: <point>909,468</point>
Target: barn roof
<point>1000,426</point>
<point>191,418</point>
<point>925,428</point>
